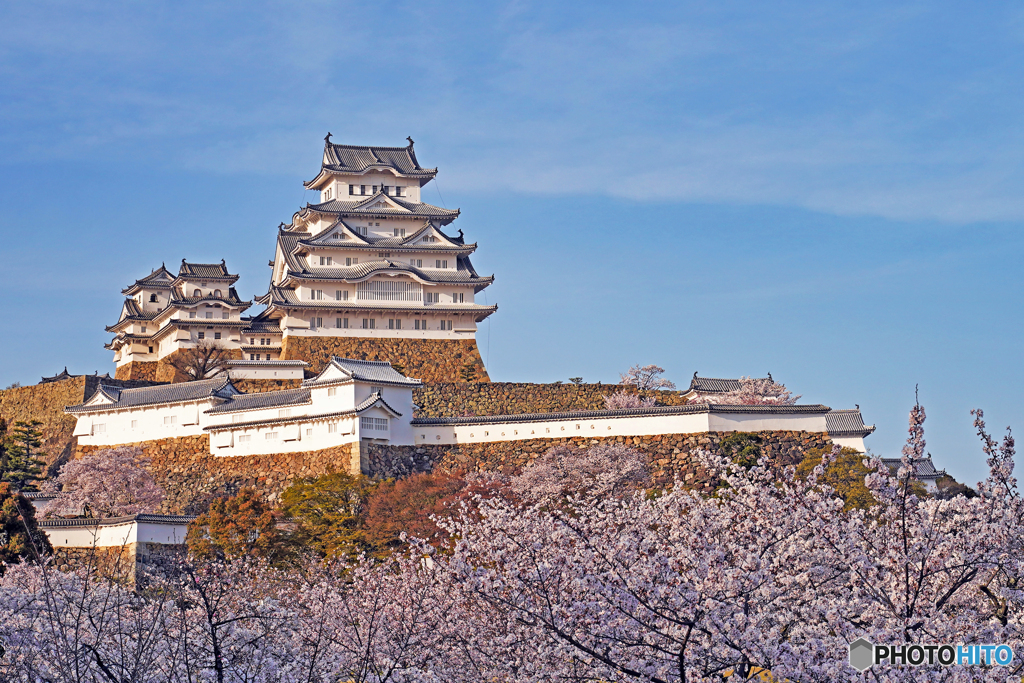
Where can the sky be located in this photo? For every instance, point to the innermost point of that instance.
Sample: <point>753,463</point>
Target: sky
<point>830,192</point>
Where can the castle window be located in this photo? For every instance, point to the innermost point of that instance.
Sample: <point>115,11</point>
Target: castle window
<point>270,436</point>
<point>446,325</point>
<point>375,424</point>
<point>362,189</point>
<point>135,424</point>
<point>225,315</point>
<point>209,314</point>
<point>244,438</point>
<point>151,349</point>
<point>252,356</point>
<point>394,323</point>
<point>418,262</point>
<point>342,323</point>
<point>369,323</point>
<point>284,412</point>
<point>332,391</point>
<point>374,189</point>
<point>309,431</point>
<point>384,189</point>
<point>399,190</point>
<point>143,329</point>
<point>341,295</point>
<point>170,420</point>
<point>351,189</point>
<point>202,335</point>
<point>332,428</point>
<point>326,261</point>
<point>216,335</point>
<point>197,292</point>
<point>399,232</point>
<point>191,314</point>
<point>351,261</point>
<point>432,297</point>
<point>458,298</point>
<point>327,194</point>
<point>441,264</point>
<point>152,297</point>
<point>217,293</point>
<point>99,428</point>
<point>419,324</point>
<point>314,323</point>
<point>316,294</point>
<point>268,356</point>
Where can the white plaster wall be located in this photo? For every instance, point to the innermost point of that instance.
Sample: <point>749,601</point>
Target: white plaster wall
<point>116,535</point>
<point>854,442</point>
<point>150,423</point>
<point>292,437</point>
<point>611,427</point>
<point>265,372</point>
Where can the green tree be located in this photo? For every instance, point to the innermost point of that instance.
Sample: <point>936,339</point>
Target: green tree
<point>241,526</point>
<point>329,511</point>
<point>845,475</point>
<point>742,448</point>
<point>468,372</point>
<point>18,465</point>
<point>20,538</point>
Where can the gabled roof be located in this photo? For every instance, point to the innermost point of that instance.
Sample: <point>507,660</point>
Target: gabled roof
<point>924,468</point>
<point>131,311</point>
<point>847,423</point>
<point>375,400</point>
<point>372,371</point>
<point>357,159</point>
<point>340,235</point>
<point>204,271</point>
<point>262,400</point>
<point>111,398</point>
<point>160,278</point>
<point>380,204</point>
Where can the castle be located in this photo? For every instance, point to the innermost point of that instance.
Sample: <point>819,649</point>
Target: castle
<point>370,271</point>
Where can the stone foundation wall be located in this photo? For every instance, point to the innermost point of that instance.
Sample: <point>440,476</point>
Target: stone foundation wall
<point>670,454</point>
<point>136,369</point>
<point>455,399</point>
<point>130,563</point>
<point>256,386</point>
<point>431,360</point>
<point>191,476</point>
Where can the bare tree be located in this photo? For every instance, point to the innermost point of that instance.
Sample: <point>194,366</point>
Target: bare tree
<point>202,361</point>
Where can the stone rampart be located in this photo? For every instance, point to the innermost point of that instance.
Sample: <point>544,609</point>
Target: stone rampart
<point>431,360</point>
<point>670,455</point>
<point>191,476</point>
<point>457,399</point>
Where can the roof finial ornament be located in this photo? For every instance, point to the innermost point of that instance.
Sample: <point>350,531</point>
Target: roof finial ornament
<point>770,377</point>
<point>409,138</point>
<point>857,405</point>
<point>222,262</point>
<point>327,138</point>
<point>695,374</point>
<point>182,261</point>
<point>460,233</point>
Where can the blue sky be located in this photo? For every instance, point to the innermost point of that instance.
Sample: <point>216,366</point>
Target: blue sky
<point>828,192</point>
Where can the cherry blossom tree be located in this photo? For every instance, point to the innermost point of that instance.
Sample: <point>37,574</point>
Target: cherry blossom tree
<point>605,470</point>
<point>108,483</point>
<point>752,391</point>
<point>646,378</point>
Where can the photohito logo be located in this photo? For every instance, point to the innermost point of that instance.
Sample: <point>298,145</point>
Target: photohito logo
<point>864,654</point>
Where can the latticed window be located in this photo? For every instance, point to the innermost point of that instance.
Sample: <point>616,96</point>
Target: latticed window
<point>374,424</point>
<point>389,290</point>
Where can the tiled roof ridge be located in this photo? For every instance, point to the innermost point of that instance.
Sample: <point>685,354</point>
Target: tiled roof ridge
<point>372,400</point>
<point>269,399</point>
<point>114,521</point>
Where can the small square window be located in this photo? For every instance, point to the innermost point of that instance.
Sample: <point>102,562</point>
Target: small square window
<point>191,314</point>
<point>216,335</point>
<point>202,335</point>
<point>135,424</point>
<point>225,315</point>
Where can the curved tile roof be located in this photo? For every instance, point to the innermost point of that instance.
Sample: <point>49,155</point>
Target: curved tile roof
<point>847,423</point>
<point>266,399</point>
<point>219,387</point>
<point>365,371</point>
<point>359,159</point>
<point>364,207</point>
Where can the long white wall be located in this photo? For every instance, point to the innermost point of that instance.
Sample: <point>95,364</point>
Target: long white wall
<point>128,425</point>
<point>115,535</point>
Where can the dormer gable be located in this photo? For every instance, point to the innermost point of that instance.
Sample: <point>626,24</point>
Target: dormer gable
<point>430,235</point>
<point>337,233</point>
<point>380,202</point>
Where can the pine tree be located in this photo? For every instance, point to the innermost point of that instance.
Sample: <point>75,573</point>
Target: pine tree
<point>18,466</point>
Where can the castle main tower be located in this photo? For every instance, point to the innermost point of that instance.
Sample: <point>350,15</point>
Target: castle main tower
<point>373,272</point>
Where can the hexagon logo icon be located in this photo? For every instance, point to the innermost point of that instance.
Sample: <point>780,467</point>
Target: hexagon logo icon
<point>861,654</point>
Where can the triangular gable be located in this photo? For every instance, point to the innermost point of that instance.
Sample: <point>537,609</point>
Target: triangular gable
<point>332,373</point>
<point>340,227</point>
<point>129,309</point>
<point>379,202</point>
<point>104,395</point>
<point>376,403</point>
<point>430,230</point>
